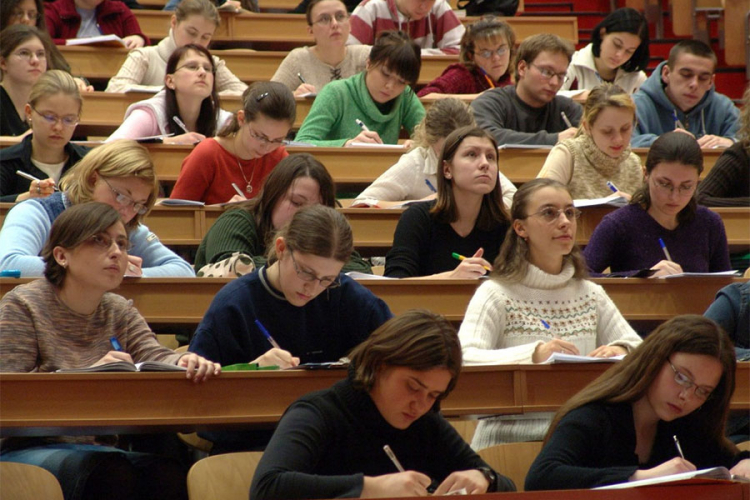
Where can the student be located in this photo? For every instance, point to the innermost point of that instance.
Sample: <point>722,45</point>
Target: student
<point>330,443</point>
<point>245,150</point>
<point>731,310</point>
<point>239,238</point>
<point>468,218</point>
<point>414,177</point>
<point>380,97</point>
<point>728,182</point>
<point>532,112</point>
<point>600,151</point>
<point>538,302</point>
<point>120,174</point>
<point>194,22</point>
<point>189,98</point>
<point>680,95</point>
<point>53,111</point>
<point>23,59</point>
<point>618,53</point>
<point>88,18</point>
<point>432,24</point>
<point>309,69</point>
<point>487,48</point>
<point>664,209</point>
<point>66,321</point>
<point>623,427</point>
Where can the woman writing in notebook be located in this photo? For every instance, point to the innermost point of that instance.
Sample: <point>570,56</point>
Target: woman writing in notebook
<point>53,111</point>
<point>538,302</point>
<point>663,228</point>
<point>188,107</point>
<point>467,221</point>
<point>660,411</point>
<point>233,165</point>
<point>69,320</point>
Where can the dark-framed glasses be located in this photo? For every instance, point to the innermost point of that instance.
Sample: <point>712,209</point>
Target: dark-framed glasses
<point>310,277</point>
<point>687,384</point>
<point>126,201</point>
<point>52,119</point>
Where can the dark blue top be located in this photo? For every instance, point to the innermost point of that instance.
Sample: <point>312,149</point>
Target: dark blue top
<point>731,309</point>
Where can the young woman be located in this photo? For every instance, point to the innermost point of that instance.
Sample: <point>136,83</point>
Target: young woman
<point>538,302</point>
<point>309,69</point>
<point>663,210</point>
<point>87,18</point>
<point>728,182</point>
<point>373,105</point>
<point>194,21</point>
<point>244,152</point>
<point>467,220</point>
<point>600,151</point>
<point>618,53</point>
<point>414,177</point>
<point>622,427</point>
<point>23,59</point>
<point>487,48</point>
<point>53,112</point>
<point>120,174</point>
<point>189,98</point>
<point>66,321</point>
<point>330,443</point>
<point>239,238</point>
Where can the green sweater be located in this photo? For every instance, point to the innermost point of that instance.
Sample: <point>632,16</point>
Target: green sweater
<point>236,231</point>
<point>331,122</point>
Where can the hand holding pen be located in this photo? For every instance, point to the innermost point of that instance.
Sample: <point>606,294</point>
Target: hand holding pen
<point>471,267</point>
<point>304,87</point>
<point>668,266</point>
<point>187,137</point>
<point>674,466</point>
<point>367,135</point>
<point>38,188</point>
<point>401,484</point>
<point>276,355</point>
<point>116,355</point>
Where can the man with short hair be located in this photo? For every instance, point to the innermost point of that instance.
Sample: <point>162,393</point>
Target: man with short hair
<point>532,112</point>
<point>680,95</point>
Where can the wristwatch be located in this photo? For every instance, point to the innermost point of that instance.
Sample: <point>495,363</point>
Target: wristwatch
<point>489,475</point>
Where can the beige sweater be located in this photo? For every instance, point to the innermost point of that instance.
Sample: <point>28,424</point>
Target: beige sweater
<point>317,73</point>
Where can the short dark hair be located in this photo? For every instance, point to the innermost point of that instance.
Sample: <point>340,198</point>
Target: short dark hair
<point>536,44</point>
<point>73,227</point>
<point>7,8</point>
<point>398,53</point>
<point>625,20</point>
<point>694,47</point>
<point>273,100</point>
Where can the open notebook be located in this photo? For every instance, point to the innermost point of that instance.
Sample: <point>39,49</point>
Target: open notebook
<point>712,473</point>
<point>124,366</point>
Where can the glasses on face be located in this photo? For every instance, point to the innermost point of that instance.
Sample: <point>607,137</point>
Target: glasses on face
<point>31,15</point>
<point>668,188</point>
<point>103,241</point>
<point>194,67</point>
<point>265,140</point>
<point>28,55</point>
<point>550,215</point>
<point>548,74</point>
<point>487,54</point>
<point>310,277</point>
<point>686,383</point>
<point>126,201</point>
<point>52,119</point>
<point>327,19</point>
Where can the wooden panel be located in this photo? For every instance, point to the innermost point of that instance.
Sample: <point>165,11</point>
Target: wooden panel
<point>735,31</point>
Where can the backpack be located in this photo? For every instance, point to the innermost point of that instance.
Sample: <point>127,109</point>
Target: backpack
<point>482,7</point>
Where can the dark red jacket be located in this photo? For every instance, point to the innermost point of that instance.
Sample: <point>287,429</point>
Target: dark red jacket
<point>112,17</point>
<point>458,79</point>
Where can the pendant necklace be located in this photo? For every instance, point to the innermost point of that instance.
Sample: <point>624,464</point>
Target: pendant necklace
<point>248,183</point>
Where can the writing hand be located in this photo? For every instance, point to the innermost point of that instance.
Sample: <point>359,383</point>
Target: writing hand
<point>665,268</point>
<point>400,484</point>
<point>566,134</point>
<point>673,466</point>
<point>472,267</point>
<point>279,357</point>
<point>607,351</point>
<point>714,141</point>
<point>368,136</point>
<point>472,480</point>
<point>189,138</point>
<point>304,88</point>
<point>545,350</point>
<point>114,357</point>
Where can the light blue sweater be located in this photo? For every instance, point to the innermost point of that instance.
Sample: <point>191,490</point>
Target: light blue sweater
<point>27,228</point>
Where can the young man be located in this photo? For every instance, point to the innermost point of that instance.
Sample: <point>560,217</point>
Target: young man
<point>532,112</point>
<point>680,95</point>
<point>430,23</point>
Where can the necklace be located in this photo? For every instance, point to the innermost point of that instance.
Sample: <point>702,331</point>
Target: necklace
<point>248,183</point>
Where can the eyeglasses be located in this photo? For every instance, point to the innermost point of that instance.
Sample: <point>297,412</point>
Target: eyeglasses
<point>103,241</point>
<point>668,188</point>
<point>31,15</point>
<point>194,67</point>
<point>29,54</point>
<point>126,201</point>
<point>265,140</point>
<point>548,74</point>
<point>52,119</point>
<point>551,214</point>
<point>327,19</point>
<point>686,383</point>
<point>487,54</point>
<point>310,277</point>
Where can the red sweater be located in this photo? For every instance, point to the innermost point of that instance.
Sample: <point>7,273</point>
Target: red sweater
<point>112,17</point>
<point>458,79</point>
<point>209,170</point>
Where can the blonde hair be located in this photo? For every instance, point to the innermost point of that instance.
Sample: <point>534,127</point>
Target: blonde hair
<point>202,8</point>
<point>121,158</point>
<point>442,118</point>
<point>54,82</point>
<point>601,97</point>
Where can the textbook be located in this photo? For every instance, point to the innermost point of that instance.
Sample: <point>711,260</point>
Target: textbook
<point>99,41</point>
<point>560,357</point>
<point>712,473</point>
<point>124,366</point>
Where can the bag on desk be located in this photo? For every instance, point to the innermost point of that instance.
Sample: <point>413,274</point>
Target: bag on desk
<point>236,265</point>
<point>482,7</point>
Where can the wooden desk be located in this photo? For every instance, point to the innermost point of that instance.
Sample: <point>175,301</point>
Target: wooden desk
<point>57,403</point>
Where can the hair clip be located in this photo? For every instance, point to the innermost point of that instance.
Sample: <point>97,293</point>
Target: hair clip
<point>261,97</point>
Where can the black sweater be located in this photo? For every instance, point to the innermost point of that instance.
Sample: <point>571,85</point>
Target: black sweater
<point>327,441</point>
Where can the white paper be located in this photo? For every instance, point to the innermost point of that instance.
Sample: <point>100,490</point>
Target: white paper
<point>560,357</point>
<point>688,275</point>
<point>356,275</point>
<point>712,473</point>
<point>613,200</point>
<point>375,145</point>
<point>110,40</point>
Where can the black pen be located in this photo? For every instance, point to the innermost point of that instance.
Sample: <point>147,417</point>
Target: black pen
<point>299,75</point>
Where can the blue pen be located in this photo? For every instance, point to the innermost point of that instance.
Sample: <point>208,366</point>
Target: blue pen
<point>546,325</point>
<point>677,122</point>
<point>612,186</point>
<point>266,334</point>
<point>429,185</point>
<point>664,249</point>
<point>115,344</point>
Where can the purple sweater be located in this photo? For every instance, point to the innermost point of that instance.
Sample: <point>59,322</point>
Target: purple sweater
<point>628,240</point>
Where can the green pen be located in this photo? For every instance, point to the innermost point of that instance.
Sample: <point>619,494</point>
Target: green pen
<point>458,256</point>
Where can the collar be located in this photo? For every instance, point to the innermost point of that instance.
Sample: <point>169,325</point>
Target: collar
<point>166,47</point>
<point>605,164</point>
<point>536,278</point>
<point>263,276</point>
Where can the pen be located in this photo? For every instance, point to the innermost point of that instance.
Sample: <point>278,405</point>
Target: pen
<point>546,325</point>
<point>392,456</point>
<point>361,125</point>
<point>115,344</point>
<point>679,448</point>
<point>461,257</point>
<point>32,178</point>
<point>664,249</point>
<point>677,122</point>
<point>429,185</point>
<point>299,75</point>
<point>266,334</point>
<point>612,186</point>
<point>239,192</point>
<point>565,119</point>
<point>180,124</point>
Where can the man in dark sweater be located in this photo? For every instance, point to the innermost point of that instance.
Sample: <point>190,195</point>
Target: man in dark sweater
<point>532,112</point>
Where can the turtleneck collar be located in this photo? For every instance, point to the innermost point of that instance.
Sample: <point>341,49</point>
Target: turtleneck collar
<point>604,163</point>
<point>536,278</point>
